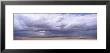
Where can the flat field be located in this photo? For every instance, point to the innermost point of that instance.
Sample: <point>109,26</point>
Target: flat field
<point>54,38</point>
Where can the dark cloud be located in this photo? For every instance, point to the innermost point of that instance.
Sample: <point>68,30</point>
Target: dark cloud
<point>23,25</point>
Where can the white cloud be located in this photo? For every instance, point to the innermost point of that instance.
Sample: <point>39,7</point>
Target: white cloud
<point>55,20</point>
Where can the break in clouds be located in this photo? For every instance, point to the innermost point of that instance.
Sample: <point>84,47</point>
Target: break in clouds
<point>55,24</point>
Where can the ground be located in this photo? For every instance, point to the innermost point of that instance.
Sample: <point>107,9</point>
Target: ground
<point>54,38</point>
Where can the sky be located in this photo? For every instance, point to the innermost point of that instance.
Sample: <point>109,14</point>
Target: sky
<point>55,24</point>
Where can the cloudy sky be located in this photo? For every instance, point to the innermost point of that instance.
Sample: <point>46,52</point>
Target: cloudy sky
<point>53,24</point>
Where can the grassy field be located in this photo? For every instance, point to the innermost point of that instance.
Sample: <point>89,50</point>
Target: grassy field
<point>54,38</point>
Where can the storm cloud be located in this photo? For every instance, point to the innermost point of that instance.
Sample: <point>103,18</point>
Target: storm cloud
<point>55,24</point>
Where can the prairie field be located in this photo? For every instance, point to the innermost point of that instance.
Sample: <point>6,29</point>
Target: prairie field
<point>54,38</point>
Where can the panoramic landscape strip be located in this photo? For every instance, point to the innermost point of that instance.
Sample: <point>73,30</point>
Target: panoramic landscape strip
<point>55,26</point>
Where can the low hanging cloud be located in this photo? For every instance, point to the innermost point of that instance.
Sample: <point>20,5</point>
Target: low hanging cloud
<point>56,24</point>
